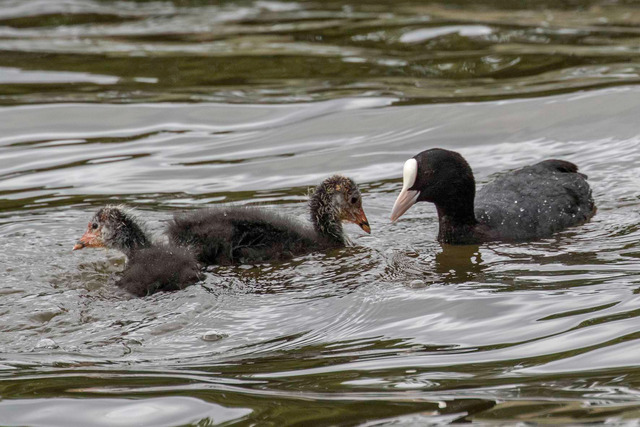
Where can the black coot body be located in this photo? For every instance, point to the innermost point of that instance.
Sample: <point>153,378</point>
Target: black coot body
<point>243,235</point>
<point>535,201</point>
<point>529,203</point>
<point>150,268</point>
<point>162,268</point>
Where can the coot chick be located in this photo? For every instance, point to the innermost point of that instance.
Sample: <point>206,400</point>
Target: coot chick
<point>529,203</point>
<point>150,268</point>
<point>238,235</point>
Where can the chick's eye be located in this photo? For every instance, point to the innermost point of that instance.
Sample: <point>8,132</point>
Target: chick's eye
<point>94,225</point>
<point>354,200</point>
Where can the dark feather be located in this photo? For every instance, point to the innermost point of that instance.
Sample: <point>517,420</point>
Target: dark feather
<point>159,268</point>
<point>236,234</point>
<point>535,201</point>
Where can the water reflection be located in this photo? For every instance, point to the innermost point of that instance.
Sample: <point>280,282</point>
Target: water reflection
<point>459,263</point>
<point>166,411</point>
<point>419,52</point>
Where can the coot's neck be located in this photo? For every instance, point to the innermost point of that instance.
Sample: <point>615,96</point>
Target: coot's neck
<point>129,237</point>
<point>458,224</point>
<point>325,217</point>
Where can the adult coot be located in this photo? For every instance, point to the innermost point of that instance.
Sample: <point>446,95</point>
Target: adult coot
<point>150,267</point>
<point>235,234</point>
<point>528,203</point>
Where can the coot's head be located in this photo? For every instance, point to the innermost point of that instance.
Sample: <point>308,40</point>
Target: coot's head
<point>112,227</point>
<point>338,198</point>
<point>438,176</point>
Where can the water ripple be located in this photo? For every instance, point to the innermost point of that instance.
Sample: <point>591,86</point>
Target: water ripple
<point>397,329</point>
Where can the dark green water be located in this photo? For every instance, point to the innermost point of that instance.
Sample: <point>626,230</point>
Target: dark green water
<point>176,105</point>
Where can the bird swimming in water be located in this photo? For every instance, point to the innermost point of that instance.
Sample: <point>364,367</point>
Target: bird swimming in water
<point>150,267</point>
<point>528,203</point>
<point>235,234</point>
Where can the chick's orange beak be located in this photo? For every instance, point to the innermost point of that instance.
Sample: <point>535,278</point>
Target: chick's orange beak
<point>361,219</point>
<point>90,239</point>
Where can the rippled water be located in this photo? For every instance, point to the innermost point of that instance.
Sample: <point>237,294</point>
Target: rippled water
<point>167,106</point>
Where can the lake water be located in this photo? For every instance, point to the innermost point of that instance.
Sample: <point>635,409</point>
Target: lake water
<point>167,106</point>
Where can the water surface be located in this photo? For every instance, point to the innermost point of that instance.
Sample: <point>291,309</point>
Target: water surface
<point>169,106</point>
